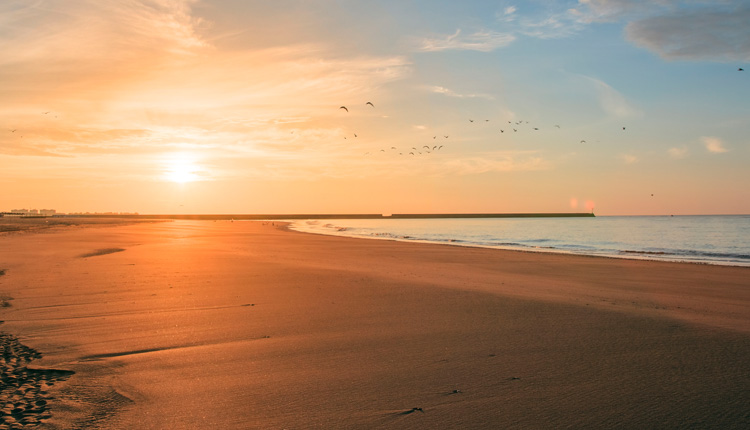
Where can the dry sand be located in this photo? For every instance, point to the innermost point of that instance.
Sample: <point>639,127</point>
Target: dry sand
<point>200,324</point>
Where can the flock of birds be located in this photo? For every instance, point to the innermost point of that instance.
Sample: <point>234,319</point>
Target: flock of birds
<point>515,126</point>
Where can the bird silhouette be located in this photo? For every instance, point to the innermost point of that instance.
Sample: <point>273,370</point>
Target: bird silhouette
<point>471,120</point>
<point>370,103</point>
<point>344,107</point>
<point>740,69</point>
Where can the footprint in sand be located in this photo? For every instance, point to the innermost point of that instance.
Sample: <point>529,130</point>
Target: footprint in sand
<point>24,391</point>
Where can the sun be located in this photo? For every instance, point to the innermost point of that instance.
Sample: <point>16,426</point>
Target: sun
<point>181,169</point>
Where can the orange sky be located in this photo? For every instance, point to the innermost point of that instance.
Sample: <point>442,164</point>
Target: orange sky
<point>172,106</point>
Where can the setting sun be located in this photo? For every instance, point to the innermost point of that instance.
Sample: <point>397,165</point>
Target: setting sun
<point>181,169</point>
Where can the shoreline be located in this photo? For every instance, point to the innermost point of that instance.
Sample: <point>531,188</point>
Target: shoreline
<point>282,329</point>
<point>622,254</point>
<point>528,249</point>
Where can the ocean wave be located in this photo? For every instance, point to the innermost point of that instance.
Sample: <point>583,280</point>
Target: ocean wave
<point>627,251</point>
<point>691,253</point>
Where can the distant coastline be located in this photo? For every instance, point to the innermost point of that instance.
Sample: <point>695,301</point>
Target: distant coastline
<point>332,216</point>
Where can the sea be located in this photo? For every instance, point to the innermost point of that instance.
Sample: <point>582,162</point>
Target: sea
<point>706,239</point>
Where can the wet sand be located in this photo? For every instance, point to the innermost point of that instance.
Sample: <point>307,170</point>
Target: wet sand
<point>201,324</point>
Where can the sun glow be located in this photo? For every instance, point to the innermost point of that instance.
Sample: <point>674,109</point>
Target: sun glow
<point>181,169</point>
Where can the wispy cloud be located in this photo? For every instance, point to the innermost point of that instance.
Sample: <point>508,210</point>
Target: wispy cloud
<point>484,41</point>
<point>592,11</point>
<point>495,161</point>
<point>611,100</point>
<point>713,145</point>
<point>678,152</point>
<point>550,22</point>
<point>450,93</point>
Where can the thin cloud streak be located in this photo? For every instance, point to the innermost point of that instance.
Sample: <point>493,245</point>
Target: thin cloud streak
<point>483,41</point>
<point>450,93</point>
<point>612,101</point>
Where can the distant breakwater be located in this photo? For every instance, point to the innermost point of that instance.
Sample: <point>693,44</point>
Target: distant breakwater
<point>337,216</point>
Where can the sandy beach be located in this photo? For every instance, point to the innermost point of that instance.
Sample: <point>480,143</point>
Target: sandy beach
<point>246,325</point>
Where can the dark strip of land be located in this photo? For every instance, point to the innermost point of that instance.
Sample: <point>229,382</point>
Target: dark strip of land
<point>333,216</point>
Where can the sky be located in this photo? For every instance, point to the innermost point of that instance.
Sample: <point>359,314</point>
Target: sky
<point>623,107</point>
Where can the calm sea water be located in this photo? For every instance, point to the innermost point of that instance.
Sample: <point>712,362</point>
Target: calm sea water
<point>711,239</point>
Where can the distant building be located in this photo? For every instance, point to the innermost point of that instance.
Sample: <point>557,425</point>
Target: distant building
<point>47,212</point>
<point>19,211</point>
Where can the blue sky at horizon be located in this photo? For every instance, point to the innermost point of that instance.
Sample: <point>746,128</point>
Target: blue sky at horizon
<point>228,106</point>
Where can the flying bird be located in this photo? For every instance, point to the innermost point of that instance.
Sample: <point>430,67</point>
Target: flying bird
<point>344,107</point>
<point>471,120</point>
<point>583,141</point>
<point>502,131</point>
<point>370,103</point>
<point>740,69</point>
<point>445,137</point>
<point>14,130</point>
<point>557,126</point>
